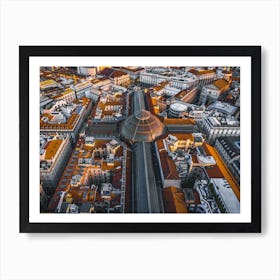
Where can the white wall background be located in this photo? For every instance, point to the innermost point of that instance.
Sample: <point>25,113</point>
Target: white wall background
<point>138,256</point>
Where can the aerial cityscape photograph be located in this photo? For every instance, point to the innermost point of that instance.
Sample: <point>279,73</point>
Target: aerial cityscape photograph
<point>139,139</point>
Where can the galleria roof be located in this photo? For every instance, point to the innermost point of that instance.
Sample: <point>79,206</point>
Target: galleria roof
<point>142,126</point>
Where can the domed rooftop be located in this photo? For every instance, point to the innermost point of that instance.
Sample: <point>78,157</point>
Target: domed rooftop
<point>142,126</point>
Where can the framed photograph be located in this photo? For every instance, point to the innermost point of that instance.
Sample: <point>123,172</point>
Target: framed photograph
<point>140,138</point>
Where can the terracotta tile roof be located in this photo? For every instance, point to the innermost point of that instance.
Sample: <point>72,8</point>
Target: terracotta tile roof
<point>168,166</point>
<point>196,197</point>
<point>194,159</point>
<point>133,69</point>
<point>201,72</point>
<point>107,71</point>
<point>69,125</point>
<point>160,86</point>
<point>67,91</point>
<point>236,79</point>
<point>86,147</point>
<point>221,83</point>
<point>116,178</point>
<point>160,144</point>
<point>85,101</point>
<point>47,82</point>
<point>174,200</point>
<point>46,115</point>
<point>150,103</point>
<point>117,74</point>
<point>105,166</point>
<point>119,152</point>
<point>214,171</point>
<point>115,102</point>
<point>86,154</point>
<point>52,148</point>
<point>99,143</point>
<point>57,96</point>
<point>104,79</point>
<point>181,93</point>
<point>190,121</point>
<point>183,136</point>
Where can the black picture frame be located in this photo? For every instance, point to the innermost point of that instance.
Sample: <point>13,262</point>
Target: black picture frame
<point>25,52</point>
